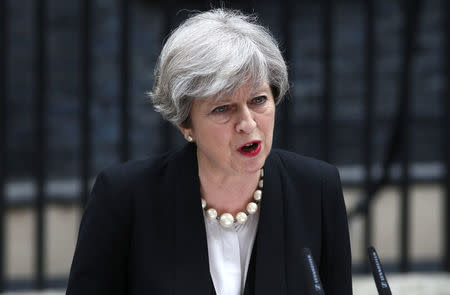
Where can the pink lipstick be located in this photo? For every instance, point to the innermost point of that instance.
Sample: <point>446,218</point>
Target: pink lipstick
<point>250,149</point>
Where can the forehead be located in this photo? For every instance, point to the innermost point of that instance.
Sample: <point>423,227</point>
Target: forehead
<point>246,91</point>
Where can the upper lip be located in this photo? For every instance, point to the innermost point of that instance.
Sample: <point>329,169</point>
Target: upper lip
<point>250,142</point>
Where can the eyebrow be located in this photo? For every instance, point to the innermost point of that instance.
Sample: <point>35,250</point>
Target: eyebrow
<point>258,92</point>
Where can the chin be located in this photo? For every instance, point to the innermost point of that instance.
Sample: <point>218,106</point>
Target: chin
<point>252,166</point>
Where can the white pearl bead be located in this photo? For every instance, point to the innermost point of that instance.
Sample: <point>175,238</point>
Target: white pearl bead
<point>226,220</point>
<point>257,195</point>
<point>262,172</point>
<point>241,217</point>
<point>203,203</point>
<point>261,183</point>
<point>252,208</point>
<point>211,213</point>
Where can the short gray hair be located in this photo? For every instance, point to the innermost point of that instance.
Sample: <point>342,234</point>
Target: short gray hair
<point>212,54</point>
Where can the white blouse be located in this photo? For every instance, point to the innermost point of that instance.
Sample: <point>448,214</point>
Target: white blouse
<point>229,251</point>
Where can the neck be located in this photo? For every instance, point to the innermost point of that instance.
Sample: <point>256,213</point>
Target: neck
<point>227,193</point>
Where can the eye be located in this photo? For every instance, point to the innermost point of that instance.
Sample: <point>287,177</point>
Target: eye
<point>221,109</point>
<point>259,99</point>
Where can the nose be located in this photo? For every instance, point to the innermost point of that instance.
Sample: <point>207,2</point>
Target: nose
<point>246,122</point>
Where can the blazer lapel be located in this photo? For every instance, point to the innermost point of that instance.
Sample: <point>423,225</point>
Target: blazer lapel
<point>269,270</point>
<point>191,249</point>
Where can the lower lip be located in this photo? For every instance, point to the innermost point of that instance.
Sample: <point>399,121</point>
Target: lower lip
<point>251,153</point>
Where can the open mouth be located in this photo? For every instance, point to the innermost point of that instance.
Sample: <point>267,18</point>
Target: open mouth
<point>251,148</point>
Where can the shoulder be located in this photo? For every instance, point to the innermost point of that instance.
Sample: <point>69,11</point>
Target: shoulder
<point>131,173</point>
<point>120,183</point>
<point>302,165</point>
<point>303,173</point>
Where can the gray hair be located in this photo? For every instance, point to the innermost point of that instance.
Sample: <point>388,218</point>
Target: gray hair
<point>212,54</point>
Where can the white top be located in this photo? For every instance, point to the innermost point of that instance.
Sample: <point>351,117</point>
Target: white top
<point>229,251</point>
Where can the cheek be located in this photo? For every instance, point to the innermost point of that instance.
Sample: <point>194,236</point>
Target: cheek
<point>213,137</point>
<point>268,122</point>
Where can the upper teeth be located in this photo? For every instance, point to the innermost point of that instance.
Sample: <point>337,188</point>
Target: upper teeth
<point>248,145</point>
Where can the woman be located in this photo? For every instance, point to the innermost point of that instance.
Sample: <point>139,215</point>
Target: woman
<point>226,214</point>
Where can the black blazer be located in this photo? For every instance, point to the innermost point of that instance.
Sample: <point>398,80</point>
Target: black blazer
<point>143,231</point>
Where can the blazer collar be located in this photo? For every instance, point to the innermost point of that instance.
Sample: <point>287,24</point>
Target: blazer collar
<point>191,249</point>
<point>270,248</point>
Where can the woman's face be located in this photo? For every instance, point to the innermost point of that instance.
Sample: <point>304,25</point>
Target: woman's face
<point>233,135</point>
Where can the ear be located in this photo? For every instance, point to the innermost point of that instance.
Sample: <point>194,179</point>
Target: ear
<point>184,130</point>
<point>187,132</point>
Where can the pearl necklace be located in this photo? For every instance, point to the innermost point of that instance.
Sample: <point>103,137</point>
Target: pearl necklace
<point>227,219</point>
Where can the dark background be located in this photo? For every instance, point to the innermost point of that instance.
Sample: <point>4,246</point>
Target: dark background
<point>63,70</point>
<point>369,93</point>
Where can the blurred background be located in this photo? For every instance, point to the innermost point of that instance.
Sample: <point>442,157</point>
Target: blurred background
<point>369,94</point>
